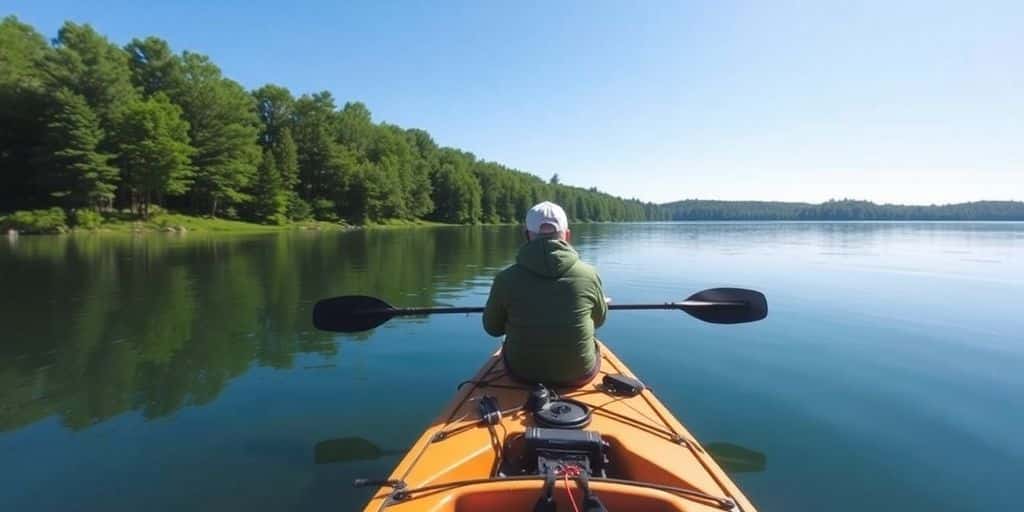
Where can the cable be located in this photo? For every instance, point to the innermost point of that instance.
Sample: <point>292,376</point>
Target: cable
<point>575,471</point>
<point>568,490</point>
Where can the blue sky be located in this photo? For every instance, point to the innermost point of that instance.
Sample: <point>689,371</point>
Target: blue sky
<point>913,102</point>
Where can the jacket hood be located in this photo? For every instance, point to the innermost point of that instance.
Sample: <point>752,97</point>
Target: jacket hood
<point>548,257</point>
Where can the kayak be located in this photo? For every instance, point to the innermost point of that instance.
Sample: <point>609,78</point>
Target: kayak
<point>608,445</point>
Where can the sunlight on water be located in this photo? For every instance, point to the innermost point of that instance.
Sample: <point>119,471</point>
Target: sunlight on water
<point>182,372</point>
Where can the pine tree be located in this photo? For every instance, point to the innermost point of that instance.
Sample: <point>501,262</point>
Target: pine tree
<point>269,196</point>
<point>88,64</point>
<point>325,167</point>
<point>328,162</point>
<point>457,192</point>
<point>223,129</point>
<point>287,159</point>
<point>276,108</point>
<point>80,174</point>
<point>154,67</point>
<point>154,151</point>
<point>23,107</point>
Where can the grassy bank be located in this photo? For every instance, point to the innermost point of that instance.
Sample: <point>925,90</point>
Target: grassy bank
<point>176,222</point>
<point>403,223</point>
<point>54,221</point>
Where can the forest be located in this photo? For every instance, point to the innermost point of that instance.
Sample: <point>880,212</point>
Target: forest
<point>91,129</point>
<point>839,210</point>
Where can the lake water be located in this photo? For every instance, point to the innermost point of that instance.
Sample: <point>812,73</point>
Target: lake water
<point>181,372</point>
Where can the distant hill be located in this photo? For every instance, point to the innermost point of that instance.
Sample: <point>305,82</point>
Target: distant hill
<point>697,209</point>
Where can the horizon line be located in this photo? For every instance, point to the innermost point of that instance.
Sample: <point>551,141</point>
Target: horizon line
<point>834,200</point>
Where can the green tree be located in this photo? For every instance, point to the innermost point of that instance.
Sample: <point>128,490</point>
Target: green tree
<point>269,195</point>
<point>457,193</point>
<point>275,107</point>
<point>287,156</point>
<point>324,166</point>
<point>154,151</point>
<point>81,174</point>
<point>154,67</point>
<point>394,159</point>
<point>329,162</point>
<point>24,49</point>
<point>421,202</point>
<point>223,130</point>
<point>23,105</point>
<point>91,66</point>
<point>355,127</point>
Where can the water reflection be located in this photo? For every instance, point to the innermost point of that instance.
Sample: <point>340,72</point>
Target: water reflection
<point>96,326</point>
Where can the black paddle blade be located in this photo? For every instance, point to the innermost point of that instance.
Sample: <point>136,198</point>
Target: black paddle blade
<point>736,459</point>
<point>345,449</point>
<point>740,306</point>
<point>350,313</point>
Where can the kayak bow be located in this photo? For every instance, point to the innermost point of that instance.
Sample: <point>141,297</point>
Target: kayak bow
<point>503,445</point>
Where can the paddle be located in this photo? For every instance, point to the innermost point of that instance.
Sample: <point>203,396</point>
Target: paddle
<point>736,459</point>
<point>346,449</point>
<point>356,313</point>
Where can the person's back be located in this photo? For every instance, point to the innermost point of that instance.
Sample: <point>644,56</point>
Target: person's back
<point>547,305</point>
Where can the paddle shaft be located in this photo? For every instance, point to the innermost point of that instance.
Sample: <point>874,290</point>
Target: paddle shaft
<point>477,309</point>
<point>358,313</point>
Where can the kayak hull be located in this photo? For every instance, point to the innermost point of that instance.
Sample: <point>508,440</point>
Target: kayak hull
<point>658,464</point>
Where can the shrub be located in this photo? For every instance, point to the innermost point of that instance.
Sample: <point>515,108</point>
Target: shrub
<point>278,219</point>
<point>88,219</point>
<point>51,220</point>
<point>299,209</point>
<point>323,209</point>
<point>163,221</point>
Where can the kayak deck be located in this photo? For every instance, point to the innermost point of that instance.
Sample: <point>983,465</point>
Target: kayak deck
<point>654,462</point>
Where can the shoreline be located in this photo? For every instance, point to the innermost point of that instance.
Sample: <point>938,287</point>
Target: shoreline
<point>174,223</point>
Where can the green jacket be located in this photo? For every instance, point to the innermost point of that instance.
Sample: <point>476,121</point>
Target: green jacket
<point>547,305</point>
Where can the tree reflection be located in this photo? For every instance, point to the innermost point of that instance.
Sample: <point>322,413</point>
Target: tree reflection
<point>97,326</point>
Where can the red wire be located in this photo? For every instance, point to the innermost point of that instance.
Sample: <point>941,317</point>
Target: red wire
<point>569,492</point>
<point>565,475</point>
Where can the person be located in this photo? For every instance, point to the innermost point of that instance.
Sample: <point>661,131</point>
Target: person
<point>547,305</point>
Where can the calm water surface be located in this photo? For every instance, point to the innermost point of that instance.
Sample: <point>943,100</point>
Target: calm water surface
<point>181,372</point>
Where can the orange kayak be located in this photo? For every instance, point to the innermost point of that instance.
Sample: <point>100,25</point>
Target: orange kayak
<point>607,445</point>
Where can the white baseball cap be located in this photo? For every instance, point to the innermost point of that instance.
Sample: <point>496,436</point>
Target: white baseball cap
<point>546,213</point>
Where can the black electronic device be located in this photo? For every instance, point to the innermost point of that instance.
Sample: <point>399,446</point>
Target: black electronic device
<point>538,399</point>
<point>617,384</point>
<point>554,449</point>
<point>490,413</point>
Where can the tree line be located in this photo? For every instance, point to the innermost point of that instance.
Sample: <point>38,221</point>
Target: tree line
<point>87,125</point>
<point>842,210</point>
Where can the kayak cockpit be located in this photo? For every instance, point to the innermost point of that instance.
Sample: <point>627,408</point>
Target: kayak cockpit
<point>496,447</point>
<point>520,494</point>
